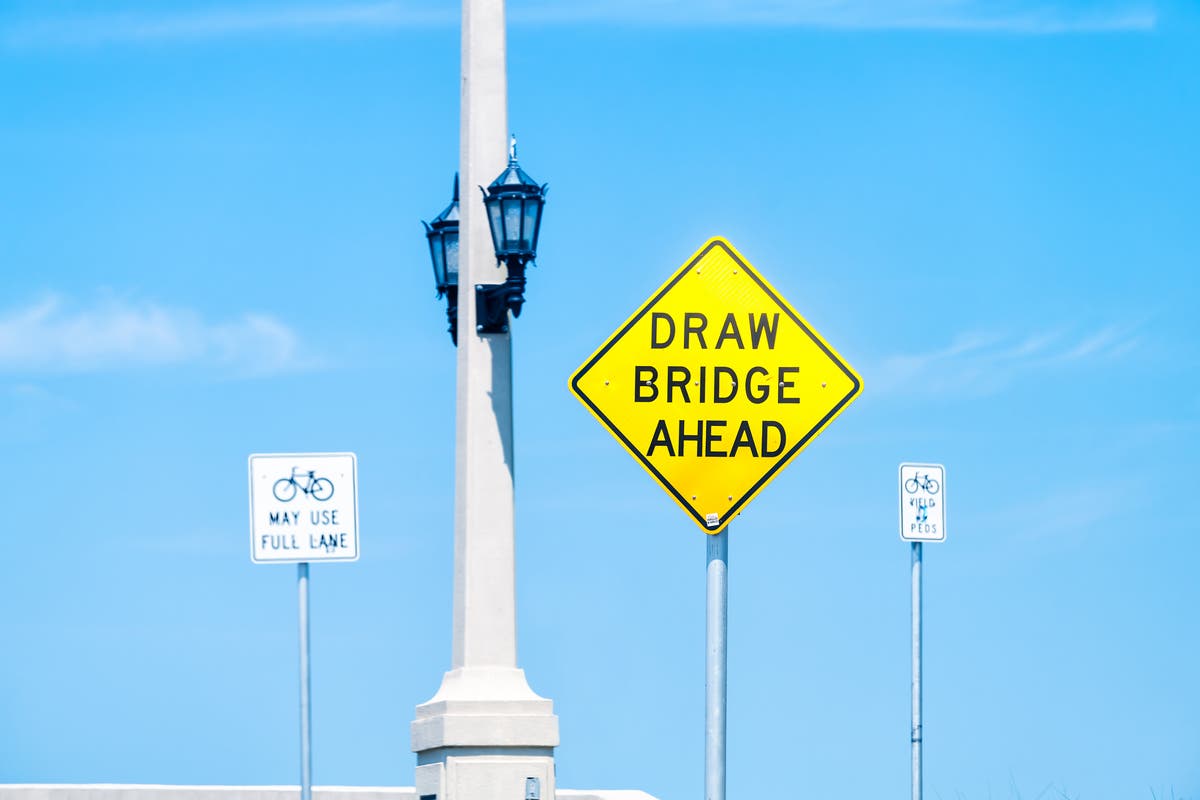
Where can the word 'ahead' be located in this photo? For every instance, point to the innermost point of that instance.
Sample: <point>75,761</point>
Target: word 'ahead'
<point>715,384</point>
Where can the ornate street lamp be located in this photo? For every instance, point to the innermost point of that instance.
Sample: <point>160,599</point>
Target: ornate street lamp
<point>514,204</point>
<point>442,234</point>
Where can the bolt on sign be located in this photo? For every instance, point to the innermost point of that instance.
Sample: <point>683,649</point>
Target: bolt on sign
<point>715,384</point>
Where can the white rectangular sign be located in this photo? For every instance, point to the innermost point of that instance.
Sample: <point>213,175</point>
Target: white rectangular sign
<point>303,507</point>
<point>922,502</point>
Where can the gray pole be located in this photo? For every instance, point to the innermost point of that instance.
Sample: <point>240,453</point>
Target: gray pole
<point>916,670</point>
<point>305,688</point>
<point>717,659</point>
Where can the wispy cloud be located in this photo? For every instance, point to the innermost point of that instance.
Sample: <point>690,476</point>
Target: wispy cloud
<point>1027,18</point>
<point>1018,17</point>
<point>224,22</point>
<point>984,363</point>
<point>1067,514</point>
<point>27,411</point>
<point>1080,510</point>
<point>185,543</point>
<point>54,335</point>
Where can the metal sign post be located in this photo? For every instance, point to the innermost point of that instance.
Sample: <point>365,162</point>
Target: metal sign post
<point>916,670</point>
<point>922,519</point>
<point>714,385</point>
<point>303,507</point>
<point>305,687</point>
<point>717,657</point>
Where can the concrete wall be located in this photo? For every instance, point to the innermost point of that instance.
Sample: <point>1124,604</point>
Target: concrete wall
<point>115,791</point>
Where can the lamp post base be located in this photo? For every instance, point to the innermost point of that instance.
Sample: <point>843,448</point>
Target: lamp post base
<point>485,707</point>
<point>482,736</point>
<point>480,775</point>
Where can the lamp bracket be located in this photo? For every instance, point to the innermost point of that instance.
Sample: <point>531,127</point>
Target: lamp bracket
<point>491,310</point>
<point>493,301</point>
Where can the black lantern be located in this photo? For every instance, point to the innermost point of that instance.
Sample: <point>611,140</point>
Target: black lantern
<point>514,204</point>
<point>442,234</point>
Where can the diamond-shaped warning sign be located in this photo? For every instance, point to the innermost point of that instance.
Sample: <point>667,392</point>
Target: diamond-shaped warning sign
<point>715,384</point>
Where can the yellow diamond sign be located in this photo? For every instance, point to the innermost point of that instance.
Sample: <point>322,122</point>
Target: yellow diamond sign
<point>715,384</point>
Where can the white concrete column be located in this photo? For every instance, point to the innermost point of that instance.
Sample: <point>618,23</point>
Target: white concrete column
<point>485,624</point>
<point>485,731</point>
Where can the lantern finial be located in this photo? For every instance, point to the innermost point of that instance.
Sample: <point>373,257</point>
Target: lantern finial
<point>512,148</point>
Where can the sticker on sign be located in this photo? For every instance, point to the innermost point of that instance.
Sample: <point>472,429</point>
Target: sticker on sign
<point>922,502</point>
<point>303,507</point>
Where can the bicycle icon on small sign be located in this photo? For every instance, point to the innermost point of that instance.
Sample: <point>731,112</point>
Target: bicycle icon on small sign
<point>285,488</point>
<point>917,482</point>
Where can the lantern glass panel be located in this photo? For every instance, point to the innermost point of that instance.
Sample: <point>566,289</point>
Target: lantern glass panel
<point>451,271</point>
<point>533,208</point>
<point>512,222</point>
<point>495,224</point>
<point>439,259</point>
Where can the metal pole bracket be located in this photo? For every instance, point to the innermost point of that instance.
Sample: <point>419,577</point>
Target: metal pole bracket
<point>493,301</point>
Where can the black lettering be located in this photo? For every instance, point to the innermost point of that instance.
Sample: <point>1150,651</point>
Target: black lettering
<point>680,382</point>
<point>640,382</point>
<point>684,438</point>
<point>661,438</point>
<point>730,331</point>
<point>710,438</point>
<point>760,393</point>
<point>767,426</point>
<point>756,331</point>
<point>718,397</point>
<point>274,518</point>
<point>654,320</point>
<point>743,438</point>
<point>694,323</point>
<point>785,384</point>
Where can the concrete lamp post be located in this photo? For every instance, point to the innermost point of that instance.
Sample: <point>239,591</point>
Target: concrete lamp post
<point>485,734</point>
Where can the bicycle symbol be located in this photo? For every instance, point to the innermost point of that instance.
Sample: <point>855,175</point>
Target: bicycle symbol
<point>917,482</point>
<point>285,488</point>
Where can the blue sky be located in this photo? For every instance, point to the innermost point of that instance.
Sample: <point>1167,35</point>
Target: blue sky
<point>209,226</point>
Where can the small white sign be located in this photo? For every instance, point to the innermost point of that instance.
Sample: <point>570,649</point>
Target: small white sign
<point>922,502</point>
<point>303,507</point>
